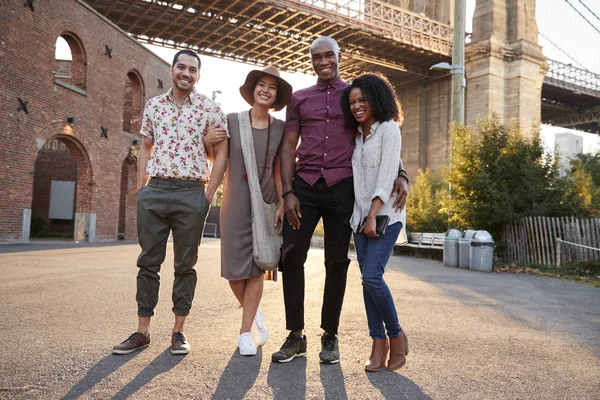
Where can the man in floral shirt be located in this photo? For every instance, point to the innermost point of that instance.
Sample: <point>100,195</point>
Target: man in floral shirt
<point>177,196</point>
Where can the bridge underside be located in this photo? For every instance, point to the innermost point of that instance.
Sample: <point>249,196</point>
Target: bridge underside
<point>571,97</point>
<point>570,108</point>
<point>279,32</point>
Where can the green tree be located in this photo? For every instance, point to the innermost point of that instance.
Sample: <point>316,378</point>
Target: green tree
<point>583,183</point>
<point>424,202</point>
<point>496,175</point>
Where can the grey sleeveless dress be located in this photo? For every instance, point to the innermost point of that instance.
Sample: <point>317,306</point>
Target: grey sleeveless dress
<point>236,218</point>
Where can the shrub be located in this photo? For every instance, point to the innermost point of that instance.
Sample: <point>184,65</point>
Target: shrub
<point>423,204</point>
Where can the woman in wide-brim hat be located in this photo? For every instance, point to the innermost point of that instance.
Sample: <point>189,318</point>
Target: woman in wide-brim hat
<point>264,90</point>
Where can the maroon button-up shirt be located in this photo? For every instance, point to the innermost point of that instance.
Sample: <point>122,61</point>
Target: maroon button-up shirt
<point>326,144</point>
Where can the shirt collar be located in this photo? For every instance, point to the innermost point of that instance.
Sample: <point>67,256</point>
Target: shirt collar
<point>337,83</point>
<point>190,99</point>
<point>373,128</point>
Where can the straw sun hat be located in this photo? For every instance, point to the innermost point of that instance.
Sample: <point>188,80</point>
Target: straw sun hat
<point>284,89</point>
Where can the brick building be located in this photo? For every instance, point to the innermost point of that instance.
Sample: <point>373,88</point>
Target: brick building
<point>69,127</point>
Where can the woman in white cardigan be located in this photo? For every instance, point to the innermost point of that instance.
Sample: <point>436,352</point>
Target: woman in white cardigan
<point>370,103</point>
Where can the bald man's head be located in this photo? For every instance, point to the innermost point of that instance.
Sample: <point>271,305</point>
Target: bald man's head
<point>325,57</point>
<point>325,39</point>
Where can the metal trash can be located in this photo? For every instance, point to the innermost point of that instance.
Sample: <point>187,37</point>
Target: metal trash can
<point>464,248</point>
<point>482,251</point>
<point>451,248</point>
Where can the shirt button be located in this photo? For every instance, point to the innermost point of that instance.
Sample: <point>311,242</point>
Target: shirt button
<point>327,92</point>
<point>325,154</point>
<point>327,120</point>
<point>326,137</point>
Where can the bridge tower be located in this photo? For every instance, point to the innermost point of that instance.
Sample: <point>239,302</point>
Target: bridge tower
<point>505,66</point>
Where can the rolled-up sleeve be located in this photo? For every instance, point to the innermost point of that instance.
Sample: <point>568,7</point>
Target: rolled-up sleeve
<point>147,128</point>
<point>292,116</point>
<point>390,160</point>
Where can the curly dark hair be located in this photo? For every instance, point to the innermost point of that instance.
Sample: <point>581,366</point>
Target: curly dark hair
<point>380,94</point>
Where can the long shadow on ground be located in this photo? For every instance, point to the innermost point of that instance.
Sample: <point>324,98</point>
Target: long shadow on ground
<point>332,379</point>
<point>239,376</point>
<point>98,372</point>
<point>532,301</point>
<point>395,386</point>
<point>161,364</point>
<point>288,381</point>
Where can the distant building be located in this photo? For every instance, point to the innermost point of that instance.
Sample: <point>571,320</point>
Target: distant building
<point>569,143</point>
<point>70,126</point>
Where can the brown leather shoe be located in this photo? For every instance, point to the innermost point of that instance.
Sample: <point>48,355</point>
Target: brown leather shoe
<point>134,342</point>
<point>179,343</point>
<point>379,353</point>
<point>398,352</point>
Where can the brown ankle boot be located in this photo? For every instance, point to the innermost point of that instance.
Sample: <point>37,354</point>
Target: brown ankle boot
<point>379,353</point>
<point>398,352</point>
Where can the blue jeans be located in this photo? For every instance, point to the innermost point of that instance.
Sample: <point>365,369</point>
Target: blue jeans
<point>373,255</point>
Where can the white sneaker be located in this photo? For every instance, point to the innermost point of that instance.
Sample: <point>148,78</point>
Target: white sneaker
<point>260,333</point>
<point>245,344</point>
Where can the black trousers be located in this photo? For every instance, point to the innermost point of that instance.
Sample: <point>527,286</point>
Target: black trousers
<point>335,205</point>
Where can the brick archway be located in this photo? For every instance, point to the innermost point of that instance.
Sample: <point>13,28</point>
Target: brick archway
<point>74,72</point>
<point>84,223</point>
<point>127,229</point>
<point>133,102</point>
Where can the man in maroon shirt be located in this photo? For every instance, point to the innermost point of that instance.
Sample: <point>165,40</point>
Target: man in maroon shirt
<point>319,185</point>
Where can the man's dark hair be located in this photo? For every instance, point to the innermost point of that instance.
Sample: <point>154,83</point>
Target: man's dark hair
<point>187,52</point>
<point>380,94</point>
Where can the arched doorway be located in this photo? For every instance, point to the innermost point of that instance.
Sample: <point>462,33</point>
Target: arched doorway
<point>127,200</point>
<point>133,102</point>
<point>61,201</point>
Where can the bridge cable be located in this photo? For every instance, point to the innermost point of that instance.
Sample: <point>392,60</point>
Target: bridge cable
<point>561,50</point>
<point>582,16</point>
<point>591,12</point>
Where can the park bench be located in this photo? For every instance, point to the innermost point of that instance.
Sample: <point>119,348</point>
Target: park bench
<point>211,229</point>
<point>425,240</point>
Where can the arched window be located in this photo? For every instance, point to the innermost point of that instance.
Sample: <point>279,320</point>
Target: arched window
<point>133,102</point>
<point>70,67</point>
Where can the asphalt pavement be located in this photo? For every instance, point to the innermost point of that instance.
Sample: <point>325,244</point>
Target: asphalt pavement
<point>472,335</point>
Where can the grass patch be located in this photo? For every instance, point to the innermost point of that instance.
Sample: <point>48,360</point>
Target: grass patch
<point>582,272</point>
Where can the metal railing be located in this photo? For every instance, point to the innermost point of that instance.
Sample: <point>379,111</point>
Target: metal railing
<point>560,242</point>
<point>570,77</point>
<point>387,20</point>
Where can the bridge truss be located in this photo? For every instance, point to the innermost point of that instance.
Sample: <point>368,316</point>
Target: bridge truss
<point>371,33</point>
<point>571,97</point>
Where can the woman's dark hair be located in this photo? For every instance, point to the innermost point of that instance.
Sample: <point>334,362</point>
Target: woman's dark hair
<point>186,52</point>
<point>380,94</point>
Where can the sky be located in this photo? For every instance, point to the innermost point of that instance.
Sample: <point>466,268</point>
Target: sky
<point>557,22</point>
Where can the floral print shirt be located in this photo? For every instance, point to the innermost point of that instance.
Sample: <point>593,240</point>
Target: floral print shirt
<point>177,131</point>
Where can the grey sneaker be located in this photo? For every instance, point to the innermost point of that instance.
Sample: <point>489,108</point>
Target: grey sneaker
<point>330,352</point>
<point>134,342</point>
<point>294,346</point>
<point>179,343</point>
